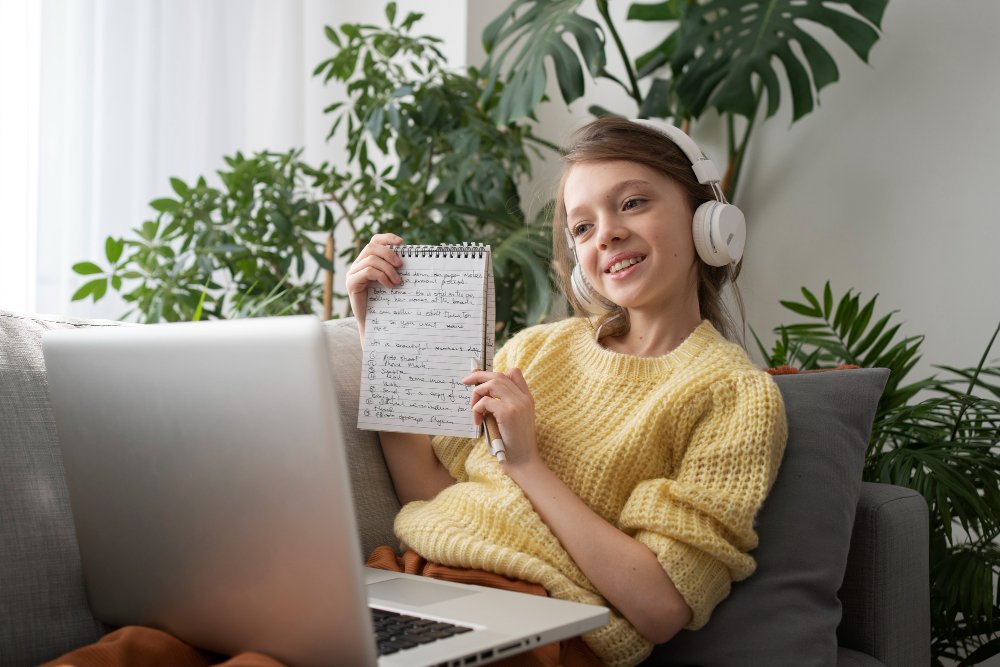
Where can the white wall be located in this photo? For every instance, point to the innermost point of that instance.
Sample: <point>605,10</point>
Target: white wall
<point>889,186</point>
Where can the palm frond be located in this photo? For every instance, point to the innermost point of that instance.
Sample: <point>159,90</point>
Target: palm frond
<point>963,579</point>
<point>983,380</point>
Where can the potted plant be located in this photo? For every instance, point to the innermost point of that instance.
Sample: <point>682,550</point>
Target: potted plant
<point>713,55</point>
<point>438,154</point>
<point>425,160</point>
<point>939,435</point>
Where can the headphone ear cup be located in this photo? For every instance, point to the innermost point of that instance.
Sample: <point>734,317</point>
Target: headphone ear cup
<point>591,301</point>
<point>719,232</point>
<point>701,230</point>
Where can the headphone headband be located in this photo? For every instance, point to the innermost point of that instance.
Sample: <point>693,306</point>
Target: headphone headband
<point>719,228</point>
<point>704,169</point>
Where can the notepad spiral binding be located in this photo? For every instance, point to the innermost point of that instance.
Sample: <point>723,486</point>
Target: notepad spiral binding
<point>443,250</point>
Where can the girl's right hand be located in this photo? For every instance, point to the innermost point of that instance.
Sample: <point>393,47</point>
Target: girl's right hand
<point>377,263</point>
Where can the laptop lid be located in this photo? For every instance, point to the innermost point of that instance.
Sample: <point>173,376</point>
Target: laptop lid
<point>211,497</point>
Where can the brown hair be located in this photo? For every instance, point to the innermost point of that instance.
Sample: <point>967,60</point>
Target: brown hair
<point>614,138</point>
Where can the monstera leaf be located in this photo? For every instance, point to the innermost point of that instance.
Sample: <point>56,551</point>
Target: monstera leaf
<point>538,29</point>
<point>659,55</point>
<point>723,44</point>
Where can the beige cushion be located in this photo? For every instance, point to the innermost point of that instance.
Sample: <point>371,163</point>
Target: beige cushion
<point>43,607</point>
<point>374,499</point>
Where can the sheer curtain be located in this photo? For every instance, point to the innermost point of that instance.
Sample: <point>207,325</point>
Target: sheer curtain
<point>134,92</point>
<point>19,24</point>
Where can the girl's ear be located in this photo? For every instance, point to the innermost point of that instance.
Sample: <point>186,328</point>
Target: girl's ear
<point>586,296</point>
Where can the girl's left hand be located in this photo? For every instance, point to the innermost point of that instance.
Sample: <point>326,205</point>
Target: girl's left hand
<point>507,397</point>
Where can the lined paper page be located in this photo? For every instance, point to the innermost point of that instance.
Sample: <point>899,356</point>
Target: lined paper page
<point>491,314</point>
<point>419,338</point>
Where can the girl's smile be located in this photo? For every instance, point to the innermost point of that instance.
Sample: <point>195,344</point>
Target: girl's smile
<point>621,265</point>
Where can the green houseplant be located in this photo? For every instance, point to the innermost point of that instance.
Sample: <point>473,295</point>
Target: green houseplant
<point>939,435</point>
<point>238,249</point>
<point>454,172</point>
<point>424,160</point>
<point>713,55</point>
<point>438,154</point>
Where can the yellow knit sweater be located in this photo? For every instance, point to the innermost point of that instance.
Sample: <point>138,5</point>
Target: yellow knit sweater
<point>677,451</point>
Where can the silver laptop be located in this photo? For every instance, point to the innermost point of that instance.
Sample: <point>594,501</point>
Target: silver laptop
<point>211,497</point>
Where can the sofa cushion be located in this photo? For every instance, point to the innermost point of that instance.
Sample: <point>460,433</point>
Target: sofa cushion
<point>850,658</point>
<point>42,600</point>
<point>375,501</point>
<point>788,611</point>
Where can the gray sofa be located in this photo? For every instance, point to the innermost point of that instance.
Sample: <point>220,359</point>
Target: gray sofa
<point>842,566</point>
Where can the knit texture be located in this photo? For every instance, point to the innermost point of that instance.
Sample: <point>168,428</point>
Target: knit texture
<point>677,451</point>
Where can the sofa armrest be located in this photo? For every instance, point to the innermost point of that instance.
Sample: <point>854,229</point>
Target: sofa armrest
<point>886,589</point>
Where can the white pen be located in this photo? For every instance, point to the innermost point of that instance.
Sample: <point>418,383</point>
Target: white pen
<point>497,448</point>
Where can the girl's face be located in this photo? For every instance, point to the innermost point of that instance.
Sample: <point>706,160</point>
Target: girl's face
<point>631,226</point>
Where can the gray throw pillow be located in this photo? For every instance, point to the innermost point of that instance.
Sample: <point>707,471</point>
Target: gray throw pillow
<point>787,612</point>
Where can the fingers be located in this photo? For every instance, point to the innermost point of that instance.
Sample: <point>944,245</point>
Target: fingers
<point>387,238</point>
<point>487,389</point>
<point>517,377</point>
<point>372,274</point>
<point>380,249</point>
<point>478,377</point>
<point>514,375</point>
<point>374,268</point>
<point>488,384</point>
<point>499,386</point>
<point>506,397</point>
<point>483,405</point>
<point>376,263</point>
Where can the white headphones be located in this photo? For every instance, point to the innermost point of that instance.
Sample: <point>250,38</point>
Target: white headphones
<point>718,228</point>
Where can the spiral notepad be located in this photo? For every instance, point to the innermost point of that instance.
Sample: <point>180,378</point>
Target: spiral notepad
<point>419,338</point>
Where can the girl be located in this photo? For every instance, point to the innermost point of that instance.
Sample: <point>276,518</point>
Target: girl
<point>640,443</point>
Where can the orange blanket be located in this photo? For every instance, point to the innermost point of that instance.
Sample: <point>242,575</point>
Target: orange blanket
<point>568,653</point>
<point>134,645</point>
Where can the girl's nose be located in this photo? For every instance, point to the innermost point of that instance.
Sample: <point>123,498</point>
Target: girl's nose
<point>610,230</point>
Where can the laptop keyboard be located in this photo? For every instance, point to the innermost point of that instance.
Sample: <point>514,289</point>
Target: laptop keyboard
<point>395,632</point>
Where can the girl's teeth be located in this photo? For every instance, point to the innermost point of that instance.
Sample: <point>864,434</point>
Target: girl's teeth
<point>625,263</point>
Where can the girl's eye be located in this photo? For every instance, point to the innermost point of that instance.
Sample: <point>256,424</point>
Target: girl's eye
<point>631,203</point>
<point>581,228</point>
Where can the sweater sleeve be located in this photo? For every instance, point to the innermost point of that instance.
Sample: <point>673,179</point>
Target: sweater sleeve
<point>699,522</point>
